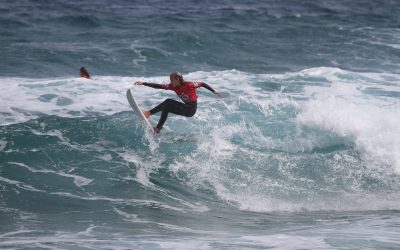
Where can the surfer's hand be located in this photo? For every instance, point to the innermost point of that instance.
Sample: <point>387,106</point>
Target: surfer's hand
<point>139,83</point>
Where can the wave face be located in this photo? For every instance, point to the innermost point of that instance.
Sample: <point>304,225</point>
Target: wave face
<point>314,142</point>
<point>302,151</point>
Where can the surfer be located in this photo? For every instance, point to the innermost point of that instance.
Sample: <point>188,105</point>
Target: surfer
<point>185,90</point>
<point>84,73</point>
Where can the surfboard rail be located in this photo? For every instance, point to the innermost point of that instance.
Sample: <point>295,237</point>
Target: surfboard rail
<point>136,108</point>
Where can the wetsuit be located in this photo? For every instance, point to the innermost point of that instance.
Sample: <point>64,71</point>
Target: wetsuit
<point>186,91</point>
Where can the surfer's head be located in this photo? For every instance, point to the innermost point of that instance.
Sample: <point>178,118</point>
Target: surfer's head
<point>176,78</point>
<point>84,73</point>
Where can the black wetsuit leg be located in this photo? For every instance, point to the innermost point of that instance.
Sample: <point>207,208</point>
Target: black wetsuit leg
<point>175,107</point>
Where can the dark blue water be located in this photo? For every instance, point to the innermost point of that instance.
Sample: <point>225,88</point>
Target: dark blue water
<point>42,38</point>
<point>302,151</point>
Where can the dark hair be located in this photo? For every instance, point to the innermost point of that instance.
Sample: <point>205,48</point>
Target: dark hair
<point>84,73</point>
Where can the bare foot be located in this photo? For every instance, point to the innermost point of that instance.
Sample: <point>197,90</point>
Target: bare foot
<point>146,114</point>
<point>156,130</point>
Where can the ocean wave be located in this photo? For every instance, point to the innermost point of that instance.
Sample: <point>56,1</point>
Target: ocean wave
<point>279,106</point>
<point>314,139</point>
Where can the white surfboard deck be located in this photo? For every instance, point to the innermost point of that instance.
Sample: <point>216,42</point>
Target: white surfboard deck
<point>136,108</point>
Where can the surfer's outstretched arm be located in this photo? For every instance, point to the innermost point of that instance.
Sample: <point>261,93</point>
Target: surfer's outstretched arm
<point>151,85</point>
<point>205,85</point>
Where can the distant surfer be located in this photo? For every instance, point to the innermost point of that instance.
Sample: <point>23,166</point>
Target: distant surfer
<point>185,90</point>
<point>84,73</point>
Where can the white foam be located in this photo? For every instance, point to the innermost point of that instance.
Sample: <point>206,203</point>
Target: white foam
<point>91,238</point>
<point>79,181</point>
<point>286,241</point>
<point>127,216</point>
<point>105,157</point>
<point>26,99</point>
<point>371,123</point>
<point>329,99</point>
<point>19,184</point>
<point>3,144</point>
<point>142,171</point>
<point>30,98</point>
<point>65,141</point>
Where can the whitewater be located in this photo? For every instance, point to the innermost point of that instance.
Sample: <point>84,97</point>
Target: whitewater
<point>306,144</point>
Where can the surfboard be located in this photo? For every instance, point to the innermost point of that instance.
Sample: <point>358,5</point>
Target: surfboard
<point>136,108</point>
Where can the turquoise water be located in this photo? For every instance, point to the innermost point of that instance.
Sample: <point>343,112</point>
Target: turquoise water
<point>302,152</point>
